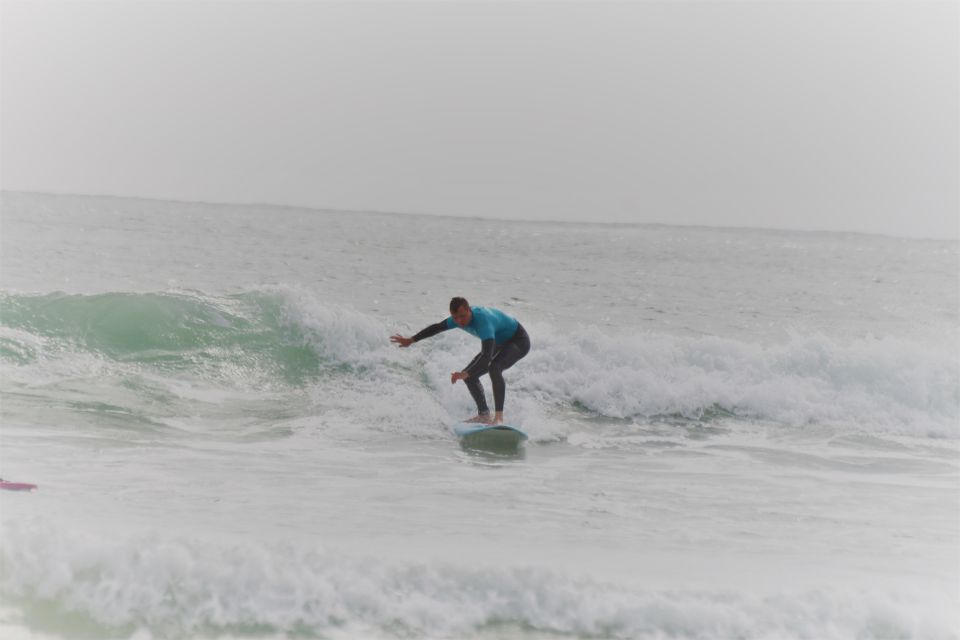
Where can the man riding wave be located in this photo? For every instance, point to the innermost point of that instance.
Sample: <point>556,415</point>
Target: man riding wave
<point>503,341</point>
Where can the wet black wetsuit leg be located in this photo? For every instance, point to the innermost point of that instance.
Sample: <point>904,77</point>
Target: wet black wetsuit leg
<point>509,354</point>
<point>504,357</point>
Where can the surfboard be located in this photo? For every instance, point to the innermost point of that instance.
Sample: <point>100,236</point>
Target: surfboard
<point>499,434</point>
<point>17,486</point>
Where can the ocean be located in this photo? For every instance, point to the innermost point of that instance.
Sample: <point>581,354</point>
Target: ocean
<point>734,433</point>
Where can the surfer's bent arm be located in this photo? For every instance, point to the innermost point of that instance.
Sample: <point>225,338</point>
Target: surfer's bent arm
<point>481,361</point>
<point>432,330</point>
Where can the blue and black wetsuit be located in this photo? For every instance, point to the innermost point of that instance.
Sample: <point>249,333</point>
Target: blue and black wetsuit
<point>503,341</point>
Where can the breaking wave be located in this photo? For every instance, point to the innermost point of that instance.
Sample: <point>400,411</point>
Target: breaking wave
<point>284,338</point>
<point>180,588</point>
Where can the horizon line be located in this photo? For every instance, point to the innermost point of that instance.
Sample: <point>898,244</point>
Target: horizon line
<point>320,209</point>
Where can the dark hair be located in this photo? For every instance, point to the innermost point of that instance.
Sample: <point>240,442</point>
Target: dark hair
<point>456,303</point>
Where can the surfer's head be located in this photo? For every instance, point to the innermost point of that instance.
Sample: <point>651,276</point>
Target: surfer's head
<point>460,311</point>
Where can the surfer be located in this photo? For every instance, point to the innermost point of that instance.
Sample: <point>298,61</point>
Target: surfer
<point>503,341</point>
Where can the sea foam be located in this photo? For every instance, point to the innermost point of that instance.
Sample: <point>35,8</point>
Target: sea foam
<point>181,587</point>
<point>874,384</point>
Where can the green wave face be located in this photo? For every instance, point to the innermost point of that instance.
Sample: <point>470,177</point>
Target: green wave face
<point>247,333</point>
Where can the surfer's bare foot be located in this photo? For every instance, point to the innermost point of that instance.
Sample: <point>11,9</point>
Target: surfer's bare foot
<point>482,418</point>
<point>498,419</point>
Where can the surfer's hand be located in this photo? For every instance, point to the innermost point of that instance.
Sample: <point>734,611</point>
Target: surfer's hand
<point>458,375</point>
<point>400,341</point>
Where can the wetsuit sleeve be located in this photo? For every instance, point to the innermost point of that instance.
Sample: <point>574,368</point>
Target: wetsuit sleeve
<point>432,330</point>
<point>481,362</point>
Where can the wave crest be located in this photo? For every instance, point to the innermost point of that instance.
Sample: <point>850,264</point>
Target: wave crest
<point>260,334</point>
<point>285,337</point>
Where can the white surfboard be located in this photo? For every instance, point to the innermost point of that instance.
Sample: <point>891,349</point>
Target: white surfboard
<point>499,434</point>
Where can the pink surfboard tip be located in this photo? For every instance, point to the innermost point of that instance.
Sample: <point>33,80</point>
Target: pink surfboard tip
<point>17,486</point>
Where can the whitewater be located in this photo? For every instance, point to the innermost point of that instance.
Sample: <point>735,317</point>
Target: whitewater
<point>734,433</point>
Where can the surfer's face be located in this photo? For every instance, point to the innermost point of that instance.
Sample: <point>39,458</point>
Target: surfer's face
<point>463,316</point>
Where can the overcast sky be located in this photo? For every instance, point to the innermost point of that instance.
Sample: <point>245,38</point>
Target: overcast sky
<point>809,115</point>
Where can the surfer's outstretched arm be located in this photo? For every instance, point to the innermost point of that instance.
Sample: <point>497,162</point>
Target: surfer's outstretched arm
<point>432,330</point>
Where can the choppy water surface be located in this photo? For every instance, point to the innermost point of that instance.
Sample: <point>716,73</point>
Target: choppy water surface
<point>734,433</point>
